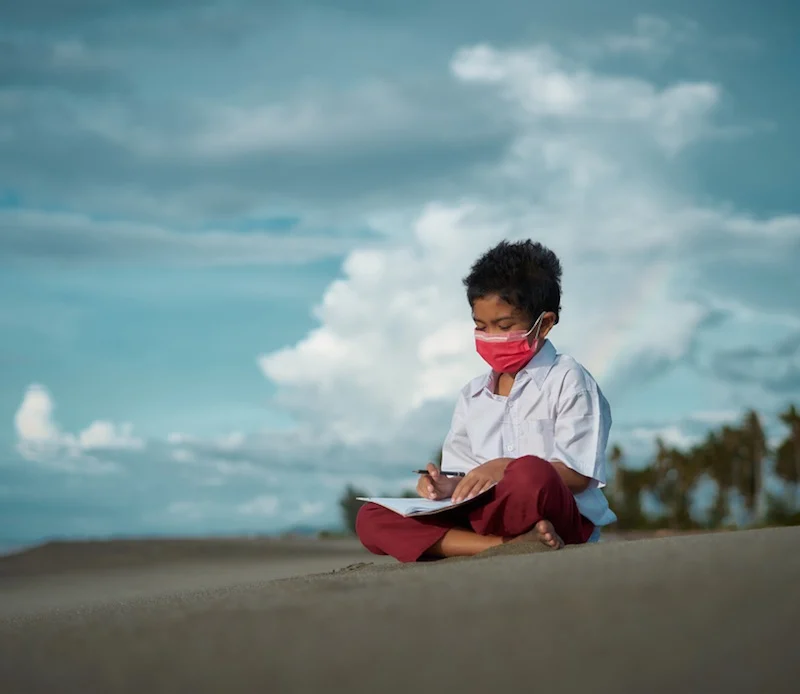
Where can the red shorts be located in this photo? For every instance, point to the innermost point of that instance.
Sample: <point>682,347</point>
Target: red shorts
<point>531,490</point>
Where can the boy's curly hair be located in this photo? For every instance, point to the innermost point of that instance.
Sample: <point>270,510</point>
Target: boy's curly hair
<point>525,274</point>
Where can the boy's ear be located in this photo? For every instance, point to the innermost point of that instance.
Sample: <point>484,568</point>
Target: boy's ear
<point>548,321</point>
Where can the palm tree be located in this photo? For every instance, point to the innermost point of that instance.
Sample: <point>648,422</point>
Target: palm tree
<point>754,452</point>
<point>615,456</point>
<point>734,458</point>
<point>626,492</point>
<point>787,457</point>
<point>712,459</point>
<point>688,472</point>
<point>350,506</point>
<point>663,482</point>
<point>674,474</point>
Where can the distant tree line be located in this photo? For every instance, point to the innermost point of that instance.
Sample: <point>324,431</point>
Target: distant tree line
<point>737,459</point>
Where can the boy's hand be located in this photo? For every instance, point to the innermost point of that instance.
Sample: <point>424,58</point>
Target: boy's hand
<point>435,485</point>
<point>480,479</point>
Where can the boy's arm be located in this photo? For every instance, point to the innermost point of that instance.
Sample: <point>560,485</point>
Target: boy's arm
<point>575,481</point>
<point>583,422</point>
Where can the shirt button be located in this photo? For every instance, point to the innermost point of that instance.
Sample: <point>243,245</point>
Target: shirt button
<point>509,448</point>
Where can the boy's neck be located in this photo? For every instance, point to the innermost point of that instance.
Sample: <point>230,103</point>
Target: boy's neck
<point>503,383</point>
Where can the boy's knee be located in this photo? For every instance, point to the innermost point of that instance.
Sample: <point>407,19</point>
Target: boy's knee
<point>532,471</point>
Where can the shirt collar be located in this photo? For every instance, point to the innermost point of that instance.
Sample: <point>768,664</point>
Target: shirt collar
<point>536,369</point>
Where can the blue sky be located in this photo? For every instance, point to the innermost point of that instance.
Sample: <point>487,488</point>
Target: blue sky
<point>232,236</point>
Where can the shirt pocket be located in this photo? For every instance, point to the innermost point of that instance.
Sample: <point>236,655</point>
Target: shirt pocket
<point>537,437</point>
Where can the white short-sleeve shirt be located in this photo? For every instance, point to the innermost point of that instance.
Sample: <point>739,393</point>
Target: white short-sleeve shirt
<point>555,411</point>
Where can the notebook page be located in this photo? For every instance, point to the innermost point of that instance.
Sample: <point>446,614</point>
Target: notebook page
<point>416,506</point>
<point>406,507</point>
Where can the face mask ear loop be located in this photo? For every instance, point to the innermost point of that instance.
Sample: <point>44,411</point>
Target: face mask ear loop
<point>537,326</point>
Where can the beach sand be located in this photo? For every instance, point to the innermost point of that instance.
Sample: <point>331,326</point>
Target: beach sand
<point>701,613</point>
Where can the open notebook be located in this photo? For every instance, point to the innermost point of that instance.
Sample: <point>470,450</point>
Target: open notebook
<point>418,507</point>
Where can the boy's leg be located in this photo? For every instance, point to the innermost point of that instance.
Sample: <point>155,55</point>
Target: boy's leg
<point>531,491</point>
<point>382,531</point>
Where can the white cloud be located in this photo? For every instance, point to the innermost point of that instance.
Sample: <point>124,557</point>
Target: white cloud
<point>311,508</point>
<point>716,417</point>
<point>367,114</point>
<point>652,36</point>
<point>216,461</point>
<point>183,455</point>
<point>671,435</point>
<point>313,119</point>
<point>542,84</point>
<point>106,435</point>
<point>586,176</point>
<point>264,505</point>
<point>36,234</point>
<point>40,438</point>
<point>211,482</point>
<point>241,468</point>
<point>655,40</point>
<point>186,510</point>
<point>232,441</point>
<point>34,418</point>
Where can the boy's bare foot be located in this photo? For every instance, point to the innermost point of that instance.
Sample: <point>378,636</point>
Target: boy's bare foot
<point>542,532</point>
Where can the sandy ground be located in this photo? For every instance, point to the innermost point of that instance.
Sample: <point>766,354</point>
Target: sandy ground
<point>84,575</point>
<point>701,613</point>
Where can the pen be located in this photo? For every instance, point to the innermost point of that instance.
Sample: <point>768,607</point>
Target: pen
<point>444,472</point>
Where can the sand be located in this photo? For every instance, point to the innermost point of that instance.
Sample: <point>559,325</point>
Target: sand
<point>702,613</point>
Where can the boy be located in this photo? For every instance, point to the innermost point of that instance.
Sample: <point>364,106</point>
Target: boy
<point>536,425</point>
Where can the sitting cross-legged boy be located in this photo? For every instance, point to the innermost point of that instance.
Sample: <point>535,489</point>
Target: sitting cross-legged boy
<point>536,426</point>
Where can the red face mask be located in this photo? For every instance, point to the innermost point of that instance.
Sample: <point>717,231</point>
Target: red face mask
<point>509,352</point>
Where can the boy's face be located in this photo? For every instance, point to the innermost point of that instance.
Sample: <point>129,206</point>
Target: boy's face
<point>495,316</point>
